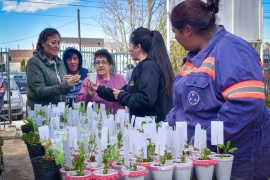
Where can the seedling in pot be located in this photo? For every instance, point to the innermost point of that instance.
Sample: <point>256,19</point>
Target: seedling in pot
<point>204,154</point>
<point>91,147</point>
<point>119,139</point>
<point>66,168</point>
<point>106,158</point>
<point>226,149</point>
<point>78,161</point>
<point>31,138</point>
<point>183,157</point>
<point>168,155</point>
<point>28,122</point>
<point>46,143</point>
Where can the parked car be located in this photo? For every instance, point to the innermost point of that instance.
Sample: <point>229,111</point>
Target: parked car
<point>15,99</point>
<point>21,80</point>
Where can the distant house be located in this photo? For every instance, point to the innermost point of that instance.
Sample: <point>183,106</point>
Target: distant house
<point>17,56</point>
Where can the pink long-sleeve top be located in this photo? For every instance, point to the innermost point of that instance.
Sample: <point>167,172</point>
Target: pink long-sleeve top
<point>116,81</point>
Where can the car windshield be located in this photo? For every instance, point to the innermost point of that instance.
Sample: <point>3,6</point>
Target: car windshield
<point>13,85</point>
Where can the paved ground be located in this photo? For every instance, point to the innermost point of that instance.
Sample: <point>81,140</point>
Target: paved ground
<point>17,165</point>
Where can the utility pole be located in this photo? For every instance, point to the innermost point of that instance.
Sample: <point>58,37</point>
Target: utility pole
<point>168,26</point>
<point>79,29</point>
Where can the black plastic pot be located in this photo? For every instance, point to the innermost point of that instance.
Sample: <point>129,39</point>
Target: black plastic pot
<point>35,150</point>
<point>26,129</point>
<point>45,170</point>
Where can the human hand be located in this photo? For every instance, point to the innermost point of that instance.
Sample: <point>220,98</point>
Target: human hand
<point>66,77</point>
<point>93,86</point>
<point>73,80</point>
<point>88,88</point>
<point>116,93</point>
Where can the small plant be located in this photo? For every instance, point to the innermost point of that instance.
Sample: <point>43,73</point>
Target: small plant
<point>46,143</point>
<point>106,157</point>
<point>91,147</point>
<point>168,155</point>
<point>148,158</point>
<point>119,139</point>
<point>28,122</point>
<point>91,69</point>
<point>120,161</point>
<point>157,126</point>
<point>45,122</point>
<point>183,157</point>
<point>63,119</point>
<point>79,160</point>
<point>31,138</point>
<point>267,100</point>
<point>82,107</point>
<point>162,160</point>
<point>131,167</point>
<point>226,148</point>
<point>204,154</point>
<point>66,168</point>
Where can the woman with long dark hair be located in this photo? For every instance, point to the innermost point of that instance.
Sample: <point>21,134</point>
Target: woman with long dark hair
<point>149,92</point>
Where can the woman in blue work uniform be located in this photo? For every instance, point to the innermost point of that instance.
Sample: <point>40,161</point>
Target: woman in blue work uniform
<point>221,78</point>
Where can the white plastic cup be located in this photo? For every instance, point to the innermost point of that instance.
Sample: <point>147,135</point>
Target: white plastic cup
<point>92,77</point>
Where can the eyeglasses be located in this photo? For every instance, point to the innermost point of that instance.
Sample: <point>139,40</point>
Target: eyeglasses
<point>102,63</point>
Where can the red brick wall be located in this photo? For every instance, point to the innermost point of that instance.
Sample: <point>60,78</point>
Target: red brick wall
<point>18,55</point>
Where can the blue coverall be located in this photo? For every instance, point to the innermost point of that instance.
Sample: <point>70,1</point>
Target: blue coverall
<point>224,82</point>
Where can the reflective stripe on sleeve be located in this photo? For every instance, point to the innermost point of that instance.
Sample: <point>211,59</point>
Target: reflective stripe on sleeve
<point>207,66</point>
<point>2,90</point>
<point>245,89</point>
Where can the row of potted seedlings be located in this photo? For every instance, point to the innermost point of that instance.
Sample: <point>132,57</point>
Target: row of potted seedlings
<point>155,167</point>
<point>86,164</point>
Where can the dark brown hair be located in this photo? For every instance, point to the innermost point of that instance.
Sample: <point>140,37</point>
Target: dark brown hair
<point>44,35</point>
<point>153,44</point>
<point>199,15</point>
<point>105,53</point>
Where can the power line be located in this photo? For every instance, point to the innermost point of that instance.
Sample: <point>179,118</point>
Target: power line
<point>90,24</point>
<point>76,5</point>
<point>36,34</point>
<point>33,14</point>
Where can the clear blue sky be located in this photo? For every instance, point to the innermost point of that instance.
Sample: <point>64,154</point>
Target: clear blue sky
<point>21,21</point>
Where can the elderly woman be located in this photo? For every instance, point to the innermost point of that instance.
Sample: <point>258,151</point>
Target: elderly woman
<point>45,72</point>
<point>103,64</point>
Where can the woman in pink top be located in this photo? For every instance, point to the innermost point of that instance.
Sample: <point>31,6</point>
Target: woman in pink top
<point>103,63</point>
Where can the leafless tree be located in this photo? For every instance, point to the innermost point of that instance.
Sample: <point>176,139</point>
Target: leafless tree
<point>119,18</point>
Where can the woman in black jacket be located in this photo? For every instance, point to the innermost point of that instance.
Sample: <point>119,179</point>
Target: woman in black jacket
<point>149,92</point>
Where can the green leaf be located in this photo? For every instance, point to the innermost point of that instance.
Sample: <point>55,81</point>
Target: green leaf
<point>221,146</point>
<point>232,150</point>
<point>228,145</point>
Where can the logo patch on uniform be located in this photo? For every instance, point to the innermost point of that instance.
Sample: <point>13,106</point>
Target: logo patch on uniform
<point>193,98</point>
<point>131,83</point>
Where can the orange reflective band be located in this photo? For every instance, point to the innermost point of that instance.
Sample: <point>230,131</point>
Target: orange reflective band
<point>3,90</point>
<point>207,66</point>
<point>245,89</point>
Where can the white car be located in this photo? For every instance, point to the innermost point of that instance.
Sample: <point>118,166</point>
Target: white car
<point>15,99</point>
